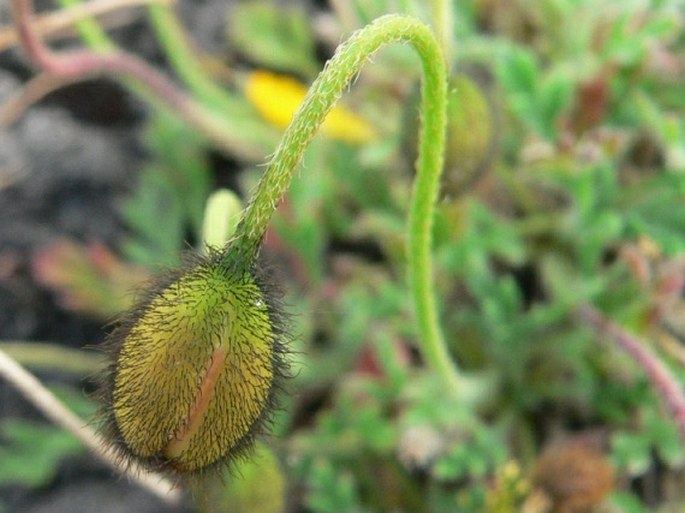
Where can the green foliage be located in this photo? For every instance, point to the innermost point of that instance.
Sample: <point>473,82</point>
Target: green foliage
<point>275,36</point>
<point>366,453</point>
<point>331,490</point>
<point>535,96</point>
<point>259,485</point>
<point>32,451</point>
<point>628,503</point>
<point>168,202</point>
<point>513,266</point>
<point>633,451</point>
<point>588,117</point>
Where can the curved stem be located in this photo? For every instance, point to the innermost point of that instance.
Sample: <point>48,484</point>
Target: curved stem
<point>322,96</point>
<point>145,80</point>
<point>661,378</point>
<point>180,53</point>
<point>237,129</point>
<point>32,92</point>
<point>49,24</point>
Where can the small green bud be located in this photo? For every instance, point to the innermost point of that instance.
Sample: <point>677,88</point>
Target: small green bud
<point>222,213</point>
<point>471,134</point>
<point>261,488</point>
<point>195,366</point>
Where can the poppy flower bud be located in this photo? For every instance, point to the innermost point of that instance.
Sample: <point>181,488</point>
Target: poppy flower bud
<point>195,367</point>
<point>472,136</point>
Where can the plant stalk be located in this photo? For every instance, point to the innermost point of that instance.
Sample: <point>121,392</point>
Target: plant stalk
<point>443,24</point>
<point>320,99</point>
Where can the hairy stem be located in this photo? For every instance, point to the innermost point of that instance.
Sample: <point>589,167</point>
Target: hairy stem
<point>659,375</point>
<point>320,99</point>
<point>34,391</point>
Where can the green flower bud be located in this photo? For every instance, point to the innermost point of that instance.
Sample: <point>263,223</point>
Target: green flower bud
<point>195,367</point>
<point>471,144</point>
<point>262,487</point>
<point>471,137</point>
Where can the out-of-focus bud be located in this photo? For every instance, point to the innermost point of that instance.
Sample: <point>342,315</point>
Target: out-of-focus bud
<point>471,144</point>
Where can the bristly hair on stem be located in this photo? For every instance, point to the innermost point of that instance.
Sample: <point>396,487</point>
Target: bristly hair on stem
<point>197,362</point>
<point>320,99</point>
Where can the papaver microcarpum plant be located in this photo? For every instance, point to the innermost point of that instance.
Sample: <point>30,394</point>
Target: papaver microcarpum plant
<point>198,361</point>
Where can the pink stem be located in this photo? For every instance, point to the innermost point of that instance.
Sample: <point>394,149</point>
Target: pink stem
<point>659,375</point>
<point>82,63</point>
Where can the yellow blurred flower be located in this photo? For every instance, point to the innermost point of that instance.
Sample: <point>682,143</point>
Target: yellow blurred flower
<point>277,98</point>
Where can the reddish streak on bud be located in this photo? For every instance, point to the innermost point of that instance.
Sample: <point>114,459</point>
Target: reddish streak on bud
<point>197,411</point>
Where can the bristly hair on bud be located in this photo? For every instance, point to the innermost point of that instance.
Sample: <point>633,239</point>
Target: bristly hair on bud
<point>195,367</point>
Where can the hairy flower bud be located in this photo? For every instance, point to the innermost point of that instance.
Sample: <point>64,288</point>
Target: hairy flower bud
<point>195,368</point>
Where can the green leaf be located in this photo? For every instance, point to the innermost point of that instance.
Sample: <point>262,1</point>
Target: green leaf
<point>521,72</point>
<point>155,215</point>
<point>33,452</point>
<point>181,154</point>
<point>520,75</point>
<point>628,503</point>
<point>632,452</point>
<point>169,199</point>
<point>332,490</point>
<point>555,98</point>
<point>274,36</point>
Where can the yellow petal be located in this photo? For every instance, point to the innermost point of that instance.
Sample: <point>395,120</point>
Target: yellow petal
<point>277,98</point>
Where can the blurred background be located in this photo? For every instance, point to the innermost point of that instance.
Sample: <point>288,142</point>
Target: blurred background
<point>564,185</point>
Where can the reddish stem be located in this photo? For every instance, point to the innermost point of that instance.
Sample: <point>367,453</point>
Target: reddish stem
<point>83,63</point>
<point>659,375</point>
